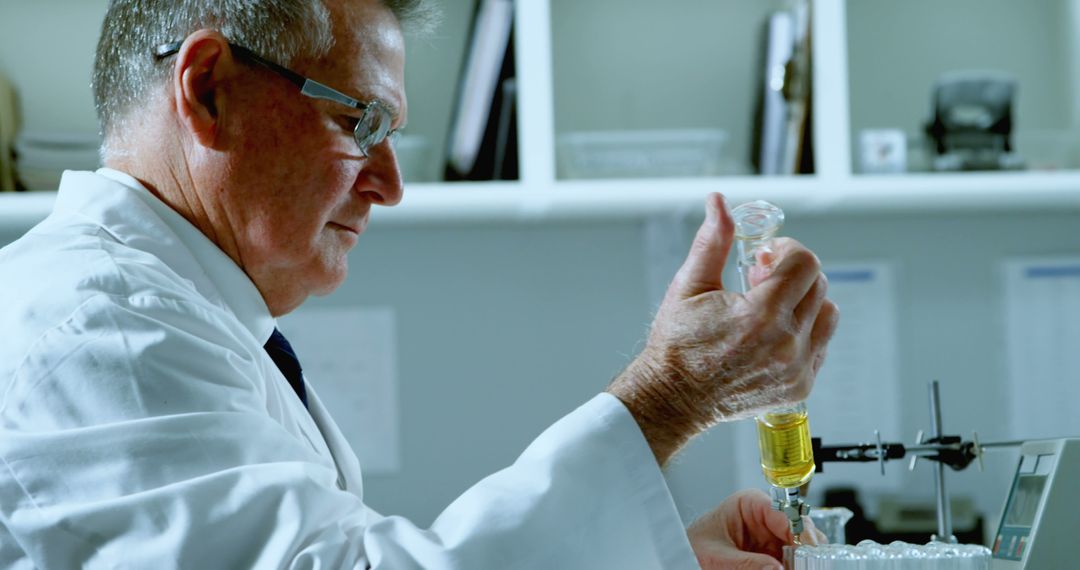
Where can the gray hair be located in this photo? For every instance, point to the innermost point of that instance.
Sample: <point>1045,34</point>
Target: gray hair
<point>125,71</point>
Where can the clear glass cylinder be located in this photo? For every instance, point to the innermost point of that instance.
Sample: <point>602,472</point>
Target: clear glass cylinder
<point>756,223</point>
<point>787,458</point>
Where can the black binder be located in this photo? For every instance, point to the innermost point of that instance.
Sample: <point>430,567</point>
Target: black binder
<point>494,154</point>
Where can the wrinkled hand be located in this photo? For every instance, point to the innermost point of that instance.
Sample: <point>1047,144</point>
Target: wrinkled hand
<point>717,355</point>
<point>745,532</point>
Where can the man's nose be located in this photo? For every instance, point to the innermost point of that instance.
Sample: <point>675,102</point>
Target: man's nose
<point>380,177</point>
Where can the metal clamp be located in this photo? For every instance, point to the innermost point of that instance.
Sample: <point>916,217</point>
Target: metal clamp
<point>880,452</point>
<point>915,458</point>
<point>795,511</point>
<point>977,449</point>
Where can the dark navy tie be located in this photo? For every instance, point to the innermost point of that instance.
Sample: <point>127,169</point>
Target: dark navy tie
<point>282,353</point>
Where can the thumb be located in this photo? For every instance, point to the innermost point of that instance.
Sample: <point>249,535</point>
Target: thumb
<point>704,265</point>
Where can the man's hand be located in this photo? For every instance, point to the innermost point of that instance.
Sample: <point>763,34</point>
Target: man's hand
<point>717,355</point>
<point>745,532</point>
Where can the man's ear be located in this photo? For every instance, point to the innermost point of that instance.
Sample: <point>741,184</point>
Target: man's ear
<point>203,64</point>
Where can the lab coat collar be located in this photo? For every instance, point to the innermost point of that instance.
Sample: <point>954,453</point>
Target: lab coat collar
<point>348,465</point>
<point>126,209</point>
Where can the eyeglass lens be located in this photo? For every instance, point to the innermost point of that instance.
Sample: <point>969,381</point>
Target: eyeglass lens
<point>373,127</point>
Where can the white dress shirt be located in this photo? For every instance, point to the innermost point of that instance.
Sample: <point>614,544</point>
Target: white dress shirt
<point>142,425</point>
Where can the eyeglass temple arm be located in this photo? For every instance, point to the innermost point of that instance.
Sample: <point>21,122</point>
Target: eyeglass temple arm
<point>320,91</point>
<point>307,86</point>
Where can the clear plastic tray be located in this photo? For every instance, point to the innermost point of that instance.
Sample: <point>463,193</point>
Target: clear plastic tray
<point>643,154</point>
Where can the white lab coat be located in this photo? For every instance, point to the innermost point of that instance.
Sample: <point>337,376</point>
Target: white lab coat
<point>143,426</point>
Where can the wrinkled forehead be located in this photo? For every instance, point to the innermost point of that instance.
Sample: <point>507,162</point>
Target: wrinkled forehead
<point>368,57</point>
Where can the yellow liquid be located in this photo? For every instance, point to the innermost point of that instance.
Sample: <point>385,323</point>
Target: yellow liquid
<point>787,457</point>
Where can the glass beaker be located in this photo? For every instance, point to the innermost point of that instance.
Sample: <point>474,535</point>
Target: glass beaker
<point>831,521</point>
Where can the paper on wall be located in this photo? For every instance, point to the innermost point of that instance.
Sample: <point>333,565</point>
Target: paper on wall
<point>349,355</point>
<point>1042,315</point>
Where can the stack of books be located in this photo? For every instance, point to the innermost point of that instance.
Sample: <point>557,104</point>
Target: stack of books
<point>782,129</point>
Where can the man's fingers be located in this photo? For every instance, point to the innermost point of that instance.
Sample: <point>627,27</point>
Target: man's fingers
<point>763,268</point>
<point>756,506</point>
<point>824,326</point>
<point>795,270</point>
<point>811,535</point>
<point>808,308</point>
<point>704,265</point>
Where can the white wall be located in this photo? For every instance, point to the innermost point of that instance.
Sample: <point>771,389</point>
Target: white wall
<point>1071,25</point>
<point>47,50</point>
<point>504,328</point>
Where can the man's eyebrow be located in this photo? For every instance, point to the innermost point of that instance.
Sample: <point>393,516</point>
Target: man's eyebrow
<point>395,112</point>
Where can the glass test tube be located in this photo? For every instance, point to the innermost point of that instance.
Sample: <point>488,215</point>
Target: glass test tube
<point>787,458</point>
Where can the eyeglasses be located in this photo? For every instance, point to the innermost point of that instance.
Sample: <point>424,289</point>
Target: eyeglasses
<point>375,119</point>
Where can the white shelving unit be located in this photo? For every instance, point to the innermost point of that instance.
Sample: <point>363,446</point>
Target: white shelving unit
<point>834,190</point>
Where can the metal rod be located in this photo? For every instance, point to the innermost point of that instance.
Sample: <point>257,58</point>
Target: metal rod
<point>865,449</point>
<point>926,450</point>
<point>944,509</point>
<point>932,448</point>
<point>993,444</point>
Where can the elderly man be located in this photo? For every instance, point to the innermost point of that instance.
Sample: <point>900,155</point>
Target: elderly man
<point>152,416</point>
